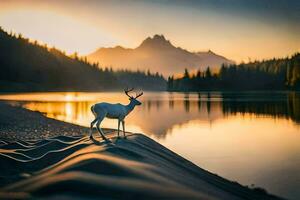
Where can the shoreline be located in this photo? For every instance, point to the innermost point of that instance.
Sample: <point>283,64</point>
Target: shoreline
<point>34,147</point>
<point>17,123</point>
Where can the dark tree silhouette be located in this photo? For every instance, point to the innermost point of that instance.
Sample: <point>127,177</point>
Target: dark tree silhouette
<point>275,74</point>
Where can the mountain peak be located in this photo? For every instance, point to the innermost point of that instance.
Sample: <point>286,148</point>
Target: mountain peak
<point>158,54</point>
<point>159,37</point>
<point>157,41</point>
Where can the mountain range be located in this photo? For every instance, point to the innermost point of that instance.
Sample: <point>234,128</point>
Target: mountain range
<point>157,54</point>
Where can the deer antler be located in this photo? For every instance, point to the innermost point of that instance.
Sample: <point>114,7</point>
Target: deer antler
<point>128,90</point>
<point>138,95</point>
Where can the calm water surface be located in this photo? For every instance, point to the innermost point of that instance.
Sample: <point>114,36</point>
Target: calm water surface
<point>251,137</point>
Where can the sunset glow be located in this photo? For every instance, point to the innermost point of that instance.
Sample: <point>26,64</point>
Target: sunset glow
<point>263,31</point>
<point>150,99</point>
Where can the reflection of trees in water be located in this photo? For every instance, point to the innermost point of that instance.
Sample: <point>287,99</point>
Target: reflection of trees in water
<point>171,101</point>
<point>199,102</point>
<point>294,106</point>
<point>186,102</point>
<point>178,110</point>
<point>285,105</point>
<point>171,104</point>
<point>157,116</point>
<point>174,104</point>
<point>157,103</point>
<point>148,105</point>
<point>208,103</point>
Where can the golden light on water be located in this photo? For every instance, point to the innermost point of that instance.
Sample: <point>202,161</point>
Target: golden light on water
<point>246,142</point>
<point>69,97</point>
<point>225,136</point>
<point>69,112</point>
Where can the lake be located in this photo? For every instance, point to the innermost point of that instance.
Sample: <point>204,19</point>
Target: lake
<point>249,137</point>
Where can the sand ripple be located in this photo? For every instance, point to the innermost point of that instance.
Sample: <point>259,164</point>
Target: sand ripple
<point>76,167</point>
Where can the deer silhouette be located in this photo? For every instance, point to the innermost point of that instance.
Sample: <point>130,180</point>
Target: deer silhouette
<point>113,111</point>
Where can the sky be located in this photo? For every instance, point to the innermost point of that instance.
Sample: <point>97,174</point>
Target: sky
<point>240,30</point>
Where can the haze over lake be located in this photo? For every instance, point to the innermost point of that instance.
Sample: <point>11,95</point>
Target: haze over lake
<point>225,133</point>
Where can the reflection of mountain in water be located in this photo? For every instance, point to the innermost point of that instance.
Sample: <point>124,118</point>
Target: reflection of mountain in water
<point>157,116</point>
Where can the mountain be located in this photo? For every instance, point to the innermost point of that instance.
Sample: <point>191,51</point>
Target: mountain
<point>29,66</point>
<point>157,54</point>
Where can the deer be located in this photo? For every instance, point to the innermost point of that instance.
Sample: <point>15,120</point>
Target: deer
<point>113,111</point>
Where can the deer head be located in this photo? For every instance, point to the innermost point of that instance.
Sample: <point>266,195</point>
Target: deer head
<point>132,99</point>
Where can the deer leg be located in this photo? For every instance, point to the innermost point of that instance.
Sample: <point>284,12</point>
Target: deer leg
<point>100,118</point>
<point>100,130</point>
<point>119,128</point>
<point>92,124</point>
<point>123,124</point>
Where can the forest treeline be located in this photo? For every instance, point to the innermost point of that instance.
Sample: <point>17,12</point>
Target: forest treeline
<point>29,66</point>
<point>275,74</point>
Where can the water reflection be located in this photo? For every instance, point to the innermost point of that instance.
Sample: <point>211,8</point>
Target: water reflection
<point>276,105</point>
<point>239,135</point>
<point>166,110</point>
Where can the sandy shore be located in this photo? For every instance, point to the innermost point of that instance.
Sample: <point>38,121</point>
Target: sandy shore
<point>21,124</point>
<point>45,158</point>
